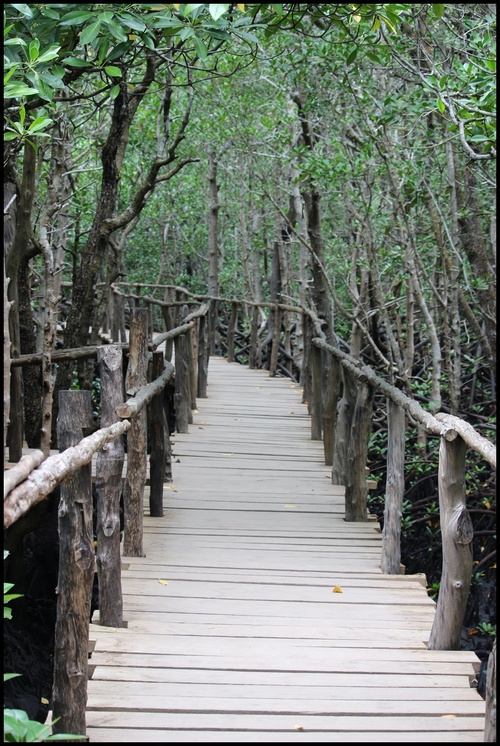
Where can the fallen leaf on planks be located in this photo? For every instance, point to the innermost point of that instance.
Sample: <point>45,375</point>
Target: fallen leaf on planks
<point>163,582</point>
<point>299,727</point>
<point>337,589</point>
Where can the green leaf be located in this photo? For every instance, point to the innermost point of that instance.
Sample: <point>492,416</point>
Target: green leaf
<point>9,676</point>
<point>39,124</point>
<point>352,56</point>
<point>16,90</point>
<point>76,62</point>
<point>50,53</point>
<point>25,10</point>
<point>441,106</point>
<point>201,49</point>
<point>216,10</point>
<point>90,33</point>
<point>191,9</point>
<point>438,10</point>
<point>34,49</point>
<point>75,17</point>
<point>114,92</point>
<point>114,71</point>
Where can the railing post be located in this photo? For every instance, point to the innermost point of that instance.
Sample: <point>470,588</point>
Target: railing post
<point>394,490</point>
<point>254,331</point>
<point>456,534</point>
<point>76,572</point>
<point>203,353</point>
<point>316,392</point>
<point>329,412</point>
<point>108,483</point>
<point>356,488</point>
<point>273,363</point>
<point>158,431</point>
<point>182,385</point>
<point>230,332</point>
<point>135,481</point>
<point>490,727</point>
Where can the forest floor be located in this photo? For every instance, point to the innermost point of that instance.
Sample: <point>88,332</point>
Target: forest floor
<point>29,635</point>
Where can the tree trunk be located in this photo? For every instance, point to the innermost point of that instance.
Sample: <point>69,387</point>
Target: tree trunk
<point>490,728</point>
<point>356,489</point>
<point>457,532</point>
<point>135,481</point>
<point>76,573</point>
<point>394,491</point>
<point>108,483</point>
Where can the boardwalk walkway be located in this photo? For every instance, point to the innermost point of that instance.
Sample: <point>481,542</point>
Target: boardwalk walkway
<point>234,631</point>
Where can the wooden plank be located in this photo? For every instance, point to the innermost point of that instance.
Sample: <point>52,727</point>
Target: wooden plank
<point>151,735</point>
<point>244,639</point>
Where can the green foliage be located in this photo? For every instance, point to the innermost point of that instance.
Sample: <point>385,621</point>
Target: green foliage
<point>16,723</point>
<point>19,728</point>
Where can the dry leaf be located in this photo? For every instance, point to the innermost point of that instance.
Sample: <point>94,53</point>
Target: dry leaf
<point>163,582</point>
<point>299,727</point>
<point>448,716</point>
<point>289,505</point>
<point>337,589</point>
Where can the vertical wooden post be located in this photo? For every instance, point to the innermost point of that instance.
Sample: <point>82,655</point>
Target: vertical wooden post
<point>490,723</point>
<point>158,433</point>
<point>191,375</point>
<point>316,392</point>
<point>330,402</point>
<point>133,492</point>
<point>213,327</point>
<point>252,355</point>
<point>273,363</point>
<point>230,332</point>
<point>108,483</point>
<point>343,429</point>
<point>76,573</point>
<point>169,412</point>
<point>356,489</point>
<point>394,490</point>
<point>203,352</point>
<point>194,363</point>
<point>456,534</point>
<point>182,385</point>
<point>305,373</point>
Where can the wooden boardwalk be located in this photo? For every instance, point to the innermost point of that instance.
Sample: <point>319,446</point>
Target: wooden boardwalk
<point>235,633</point>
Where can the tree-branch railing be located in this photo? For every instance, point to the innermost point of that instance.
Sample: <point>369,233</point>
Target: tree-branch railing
<point>32,479</point>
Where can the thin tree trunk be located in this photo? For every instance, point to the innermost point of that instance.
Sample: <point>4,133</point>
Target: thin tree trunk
<point>457,533</point>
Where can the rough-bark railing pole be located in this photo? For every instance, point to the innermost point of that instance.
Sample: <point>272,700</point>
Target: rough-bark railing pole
<point>316,392</point>
<point>490,724</point>
<point>203,353</point>
<point>195,342</point>
<point>230,331</point>
<point>343,429</point>
<point>356,488</point>
<point>135,480</point>
<point>213,327</point>
<point>305,373</point>
<point>108,483</point>
<point>394,490</point>
<point>76,573</point>
<point>169,413</point>
<point>273,363</point>
<point>456,535</point>
<point>159,433</point>
<point>190,343</point>
<point>182,385</point>
<point>330,402</point>
<point>254,331</point>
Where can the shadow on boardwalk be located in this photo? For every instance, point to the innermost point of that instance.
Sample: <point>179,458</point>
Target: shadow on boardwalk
<point>258,614</point>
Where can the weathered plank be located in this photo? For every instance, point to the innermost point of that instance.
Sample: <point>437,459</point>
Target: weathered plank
<point>235,633</point>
